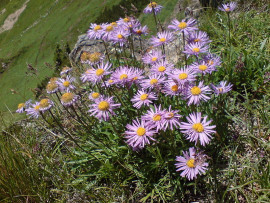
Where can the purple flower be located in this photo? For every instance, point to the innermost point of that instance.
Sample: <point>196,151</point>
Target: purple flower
<point>123,75</point>
<point>153,6</point>
<point>191,164</point>
<point>141,30</point>
<point>22,106</point>
<point>153,57</point>
<point>162,68</point>
<point>154,81</point>
<point>172,88</point>
<point>171,119</point>
<point>87,75</point>
<point>45,104</point>
<point>66,84</point>
<point>93,96</point>
<point>212,60</point>
<point>221,88</point>
<point>186,25</point>
<point>65,70</point>
<point>103,108</point>
<point>143,98</point>
<point>155,117</point>
<point>33,111</point>
<point>69,98</point>
<point>98,74</point>
<point>162,38</point>
<point>120,36</point>
<point>195,49</point>
<point>52,87</point>
<point>202,67</point>
<point>199,37</point>
<point>95,31</point>
<point>183,75</point>
<point>197,93</point>
<point>197,129</point>
<point>139,134</point>
<point>107,31</point>
<point>228,7</point>
<point>91,58</point>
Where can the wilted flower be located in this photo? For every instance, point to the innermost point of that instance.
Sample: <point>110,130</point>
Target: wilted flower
<point>191,164</point>
<point>162,38</point>
<point>153,6</point>
<point>212,60</point>
<point>143,98</point>
<point>103,108</point>
<point>92,58</point>
<point>197,129</point>
<point>69,98</point>
<point>52,87</point>
<point>139,134</point>
<point>45,104</point>
<point>22,106</point>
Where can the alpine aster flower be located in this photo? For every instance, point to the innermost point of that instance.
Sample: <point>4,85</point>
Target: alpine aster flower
<point>107,31</point>
<point>103,108</point>
<point>87,75</point>
<point>45,104</point>
<point>123,75</point>
<point>52,87</point>
<point>93,96</point>
<point>153,6</point>
<point>195,94</point>
<point>98,73</point>
<point>141,30</point>
<point>153,57</point>
<point>95,31</point>
<point>191,164</point>
<point>65,70</point>
<point>186,25</point>
<point>143,98</point>
<point>172,88</point>
<point>162,38</point>
<point>33,111</point>
<point>171,119</point>
<point>155,117</point>
<point>195,49</point>
<point>183,75</point>
<point>154,81</point>
<point>199,37</point>
<point>212,60</point>
<point>221,88</point>
<point>69,98</point>
<point>197,129</point>
<point>202,67</point>
<point>139,134</point>
<point>92,58</point>
<point>22,106</point>
<point>162,68</point>
<point>66,84</point>
<point>119,36</point>
<point>228,7</point>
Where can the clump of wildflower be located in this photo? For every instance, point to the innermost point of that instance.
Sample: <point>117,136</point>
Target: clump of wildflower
<point>162,38</point>
<point>195,94</point>
<point>186,25</point>
<point>191,164</point>
<point>103,108</point>
<point>139,134</point>
<point>143,98</point>
<point>198,129</point>
<point>228,7</point>
<point>221,88</point>
<point>153,6</point>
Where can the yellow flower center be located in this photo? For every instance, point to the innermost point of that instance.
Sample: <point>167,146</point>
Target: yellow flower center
<point>54,79</point>
<point>114,24</point>
<point>123,76</point>
<point>51,86</point>
<point>170,115</point>
<point>139,32</point>
<point>67,97</point>
<point>98,27</point>
<point>94,57</point>
<point>66,83</point>
<point>196,49</point>
<point>21,105</point>
<point>197,40</point>
<point>109,28</point>
<point>99,72</point>
<point>44,103</point>
<point>227,9</point>
<point>162,39</point>
<point>95,95</point>
<point>210,62</point>
<point>203,67</point>
<point>153,81</point>
<point>144,97</point>
<point>198,127</point>
<point>141,131</point>
<point>182,25</point>
<point>190,163</point>
<point>154,59</point>
<point>174,88</point>
<point>135,78</point>
<point>37,107</point>
<point>161,69</point>
<point>152,5</point>
<point>156,117</point>
<point>220,89</point>
<point>195,90</point>
<point>182,76</point>
<point>103,106</point>
<point>119,36</point>
<point>110,81</point>
<point>126,20</point>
